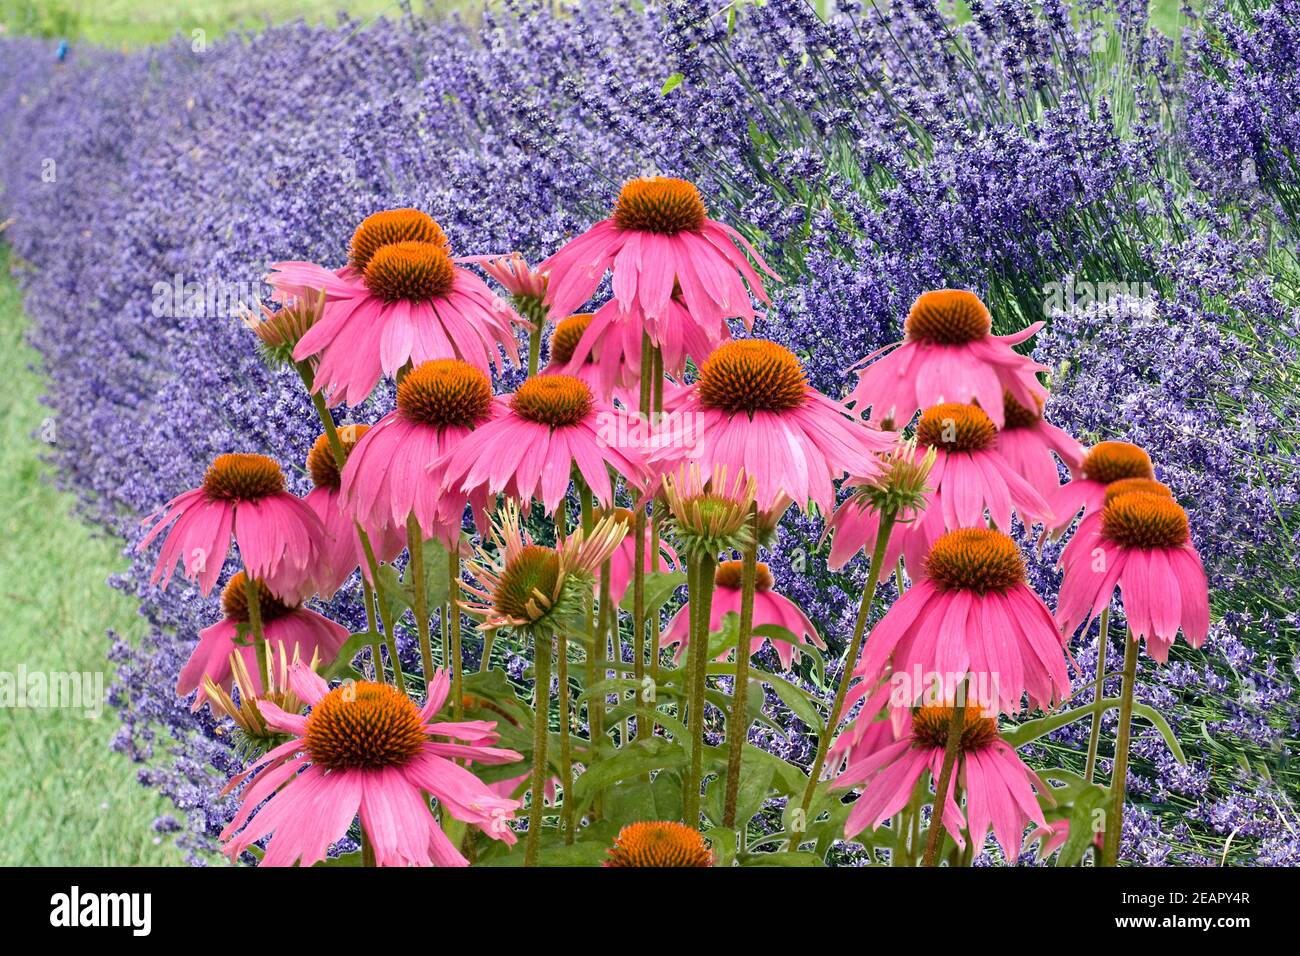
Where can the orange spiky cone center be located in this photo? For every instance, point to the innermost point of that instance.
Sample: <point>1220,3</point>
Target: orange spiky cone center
<point>242,477</point>
<point>364,726</point>
<point>948,317</point>
<point>660,204</point>
<point>981,560</point>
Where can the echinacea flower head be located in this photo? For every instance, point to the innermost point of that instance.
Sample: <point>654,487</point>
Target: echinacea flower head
<point>770,608</point>
<point>368,749</point>
<point>999,788</point>
<point>1142,545</point>
<point>279,330</point>
<point>758,414</point>
<point>388,227</point>
<point>526,286</point>
<point>948,354</point>
<point>901,490</point>
<point>289,625</point>
<point>973,613</point>
<point>552,426</point>
<point>255,736</point>
<point>659,239</point>
<point>533,588</point>
<point>708,514</point>
<point>1027,441</point>
<point>242,496</point>
<point>606,379</point>
<point>1092,519</point>
<point>659,843</point>
<point>393,471</point>
<point>400,300</point>
<point>1105,463</point>
<point>972,483</point>
<point>341,548</point>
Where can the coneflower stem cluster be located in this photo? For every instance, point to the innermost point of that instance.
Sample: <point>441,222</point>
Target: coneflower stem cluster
<point>541,735</point>
<point>887,519</point>
<point>453,626</point>
<point>1119,777</point>
<point>738,723</point>
<point>1094,732</point>
<point>415,545</point>
<point>562,639</point>
<point>697,664</point>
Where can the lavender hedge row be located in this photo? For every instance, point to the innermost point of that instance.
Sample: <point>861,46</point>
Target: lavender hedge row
<point>871,156</point>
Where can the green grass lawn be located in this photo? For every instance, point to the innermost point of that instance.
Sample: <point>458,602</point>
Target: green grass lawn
<point>137,22</point>
<point>64,797</point>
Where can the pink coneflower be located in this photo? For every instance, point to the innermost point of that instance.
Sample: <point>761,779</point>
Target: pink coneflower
<point>758,414</point>
<point>612,338</point>
<point>969,479</point>
<point>623,561</point>
<point>658,239</point>
<point>1027,441</point>
<point>769,608</point>
<point>1142,545</point>
<point>1105,462</point>
<point>392,472</point>
<point>999,787</point>
<point>973,613</point>
<point>901,491</point>
<point>606,379</point>
<point>241,496</point>
<point>341,549</point>
<point>1092,519</point>
<point>367,748</point>
<point>948,354</point>
<point>299,630</point>
<point>870,731</point>
<point>399,300</point>
<point>553,425</point>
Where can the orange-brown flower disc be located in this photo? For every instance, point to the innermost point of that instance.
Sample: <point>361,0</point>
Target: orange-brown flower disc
<point>975,559</point>
<point>622,515</point>
<point>555,400</point>
<point>534,569</point>
<point>930,727</point>
<point>1129,485</point>
<point>1112,460</point>
<point>364,726</point>
<point>234,601</point>
<point>659,204</point>
<point>659,843</point>
<point>567,335</point>
<point>953,426</point>
<point>390,227</point>
<point>1140,519</point>
<point>410,272</point>
<point>948,317</point>
<point>731,574</point>
<point>752,375</point>
<point>242,477</point>
<point>321,463</point>
<point>1016,415</point>
<point>445,393</point>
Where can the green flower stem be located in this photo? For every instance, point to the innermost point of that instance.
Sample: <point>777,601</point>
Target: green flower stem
<point>1119,777</point>
<point>562,638</point>
<point>415,545</point>
<point>738,725</point>
<point>697,657</point>
<point>254,602</point>
<point>541,734</point>
<point>847,665</point>
<point>454,652</point>
<point>1094,732</point>
<point>373,614</point>
<point>375,653</point>
<point>950,754</point>
<point>639,623</point>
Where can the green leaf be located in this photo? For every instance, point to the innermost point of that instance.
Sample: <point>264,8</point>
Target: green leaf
<point>394,597</point>
<point>782,858</point>
<point>659,588</point>
<point>341,666</point>
<point>1033,729</point>
<point>755,786</point>
<point>671,84</point>
<point>633,801</point>
<point>637,758</point>
<point>797,699</point>
<point>437,570</point>
<point>347,859</point>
